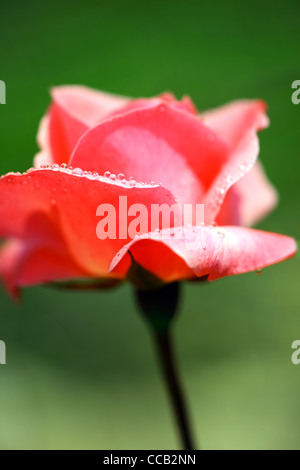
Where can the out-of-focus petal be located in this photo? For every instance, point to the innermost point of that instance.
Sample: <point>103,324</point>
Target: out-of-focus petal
<point>87,105</point>
<point>237,124</point>
<point>185,104</point>
<point>234,120</point>
<point>74,110</point>
<point>257,196</point>
<point>40,256</point>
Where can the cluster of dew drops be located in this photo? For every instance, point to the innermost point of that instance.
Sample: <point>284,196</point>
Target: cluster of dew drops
<point>92,175</point>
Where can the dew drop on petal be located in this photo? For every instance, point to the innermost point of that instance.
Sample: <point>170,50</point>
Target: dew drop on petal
<point>113,177</point>
<point>77,171</point>
<point>221,232</point>
<point>121,177</point>
<point>107,174</point>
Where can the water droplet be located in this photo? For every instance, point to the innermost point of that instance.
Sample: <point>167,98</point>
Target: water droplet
<point>64,165</point>
<point>107,174</point>
<point>221,232</point>
<point>95,173</point>
<point>132,182</point>
<point>77,171</point>
<point>121,177</point>
<point>113,177</point>
<point>55,167</point>
<point>153,183</point>
<point>242,167</point>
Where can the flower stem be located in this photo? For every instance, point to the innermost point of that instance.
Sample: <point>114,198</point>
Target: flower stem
<point>165,351</point>
<point>159,306</point>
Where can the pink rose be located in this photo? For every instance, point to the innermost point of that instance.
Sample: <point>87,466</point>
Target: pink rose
<point>48,215</point>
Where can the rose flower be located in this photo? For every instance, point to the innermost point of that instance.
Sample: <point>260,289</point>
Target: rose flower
<point>95,148</point>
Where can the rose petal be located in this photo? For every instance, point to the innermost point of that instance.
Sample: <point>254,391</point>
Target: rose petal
<point>185,104</point>
<point>234,120</point>
<point>161,144</point>
<point>40,256</point>
<point>257,196</point>
<point>70,202</point>
<point>237,123</point>
<point>76,109</point>
<point>87,105</point>
<point>208,251</point>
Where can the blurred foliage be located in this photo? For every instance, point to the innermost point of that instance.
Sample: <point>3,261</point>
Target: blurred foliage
<point>80,370</point>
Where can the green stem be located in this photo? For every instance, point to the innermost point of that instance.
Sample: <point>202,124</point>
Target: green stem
<point>165,351</point>
<point>159,306</point>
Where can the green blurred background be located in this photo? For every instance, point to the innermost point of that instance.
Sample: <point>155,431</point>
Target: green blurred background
<point>80,369</point>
